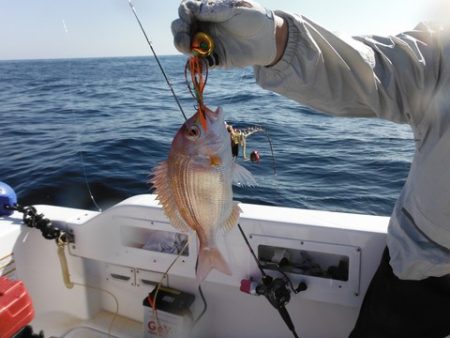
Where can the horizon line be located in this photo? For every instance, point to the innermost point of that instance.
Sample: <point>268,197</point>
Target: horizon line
<point>85,57</point>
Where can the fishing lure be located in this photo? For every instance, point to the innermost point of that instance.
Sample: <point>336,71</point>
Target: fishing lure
<point>202,46</point>
<point>239,138</point>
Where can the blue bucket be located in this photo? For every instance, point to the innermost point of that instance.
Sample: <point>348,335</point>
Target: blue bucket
<point>7,198</point>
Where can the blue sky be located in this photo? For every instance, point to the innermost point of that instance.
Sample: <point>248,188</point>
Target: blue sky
<point>95,28</point>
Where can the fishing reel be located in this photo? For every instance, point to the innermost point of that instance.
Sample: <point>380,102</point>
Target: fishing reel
<point>277,291</point>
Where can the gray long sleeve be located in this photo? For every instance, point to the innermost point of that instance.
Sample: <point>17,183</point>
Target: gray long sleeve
<point>389,77</point>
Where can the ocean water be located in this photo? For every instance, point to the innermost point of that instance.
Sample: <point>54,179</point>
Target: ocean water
<point>78,131</point>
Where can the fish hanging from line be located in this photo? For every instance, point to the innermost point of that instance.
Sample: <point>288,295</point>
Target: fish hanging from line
<point>194,185</point>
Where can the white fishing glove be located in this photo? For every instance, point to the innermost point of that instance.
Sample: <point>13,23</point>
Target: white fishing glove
<point>243,31</point>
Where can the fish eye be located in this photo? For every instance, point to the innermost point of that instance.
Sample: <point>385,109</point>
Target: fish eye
<point>193,132</point>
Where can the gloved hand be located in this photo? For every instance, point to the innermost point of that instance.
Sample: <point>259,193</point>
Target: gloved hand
<point>243,31</point>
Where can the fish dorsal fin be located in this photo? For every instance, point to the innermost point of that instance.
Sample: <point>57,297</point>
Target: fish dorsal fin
<point>242,177</point>
<point>160,181</point>
<point>234,217</point>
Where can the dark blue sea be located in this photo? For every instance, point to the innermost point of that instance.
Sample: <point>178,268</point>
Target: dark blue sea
<point>77,132</point>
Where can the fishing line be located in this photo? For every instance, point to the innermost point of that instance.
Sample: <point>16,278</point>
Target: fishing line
<point>78,134</point>
<point>274,184</point>
<point>165,275</point>
<point>157,60</point>
<point>271,150</point>
<point>241,77</point>
<point>266,133</point>
<point>116,302</point>
<point>153,301</point>
<point>69,284</point>
<point>86,181</point>
<point>251,250</point>
<point>205,306</point>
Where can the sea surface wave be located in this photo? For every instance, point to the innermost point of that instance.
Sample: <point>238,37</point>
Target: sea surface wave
<point>101,125</point>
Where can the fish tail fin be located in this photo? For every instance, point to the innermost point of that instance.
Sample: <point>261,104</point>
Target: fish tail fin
<point>208,259</point>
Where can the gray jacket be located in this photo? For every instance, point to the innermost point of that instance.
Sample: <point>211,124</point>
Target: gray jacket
<point>405,79</point>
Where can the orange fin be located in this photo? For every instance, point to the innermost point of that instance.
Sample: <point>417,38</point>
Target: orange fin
<point>208,259</point>
<point>164,194</point>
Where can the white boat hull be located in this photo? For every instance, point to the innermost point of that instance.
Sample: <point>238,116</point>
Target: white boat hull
<point>112,243</point>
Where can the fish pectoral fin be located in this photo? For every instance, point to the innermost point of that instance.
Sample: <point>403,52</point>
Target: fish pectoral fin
<point>208,259</point>
<point>164,195</point>
<point>242,177</point>
<point>234,217</point>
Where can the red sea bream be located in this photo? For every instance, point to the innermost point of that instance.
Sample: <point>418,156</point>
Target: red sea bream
<point>194,185</point>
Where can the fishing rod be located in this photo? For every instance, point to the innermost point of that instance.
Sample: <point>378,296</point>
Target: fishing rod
<point>157,59</point>
<point>275,290</point>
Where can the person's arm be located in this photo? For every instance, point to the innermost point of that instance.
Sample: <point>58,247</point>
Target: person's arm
<point>281,38</point>
<point>389,77</point>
